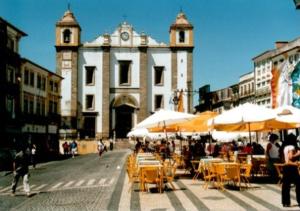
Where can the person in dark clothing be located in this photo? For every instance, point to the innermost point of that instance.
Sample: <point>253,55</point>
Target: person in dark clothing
<point>20,169</point>
<point>290,172</point>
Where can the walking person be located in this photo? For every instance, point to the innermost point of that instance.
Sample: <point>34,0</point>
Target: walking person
<point>73,146</point>
<point>20,169</point>
<point>100,147</point>
<point>290,172</point>
<point>33,156</point>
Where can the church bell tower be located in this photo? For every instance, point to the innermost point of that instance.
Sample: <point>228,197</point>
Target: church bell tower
<point>182,43</point>
<point>67,43</point>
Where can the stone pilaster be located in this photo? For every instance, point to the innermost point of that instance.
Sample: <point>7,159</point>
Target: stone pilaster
<point>143,111</point>
<point>105,91</point>
<point>174,68</point>
<point>190,79</point>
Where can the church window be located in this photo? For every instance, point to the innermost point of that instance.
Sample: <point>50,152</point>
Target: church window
<point>67,36</point>
<point>158,102</point>
<point>89,75</point>
<point>181,37</point>
<point>124,74</point>
<point>89,102</point>
<point>159,75</point>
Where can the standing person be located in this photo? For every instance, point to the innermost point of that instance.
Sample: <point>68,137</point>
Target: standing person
<point>66,148</point>
<point>272,154</point>
<point>100,147</point>
<point>73,146</point>
<point>111,144</point>
<point>33,156</point>
<point>290,171</point>
<point>20,169</point>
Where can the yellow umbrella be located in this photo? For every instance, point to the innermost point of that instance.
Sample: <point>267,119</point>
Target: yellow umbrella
<point>257,126</point>
<point>198,124</point>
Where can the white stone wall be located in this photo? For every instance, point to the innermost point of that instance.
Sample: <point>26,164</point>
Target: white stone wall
<point>159,57</point>
<point>91,57</point>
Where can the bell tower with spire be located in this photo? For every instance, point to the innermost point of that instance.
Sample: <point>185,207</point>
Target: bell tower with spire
<point>67,43</point>
<point>182,45</point>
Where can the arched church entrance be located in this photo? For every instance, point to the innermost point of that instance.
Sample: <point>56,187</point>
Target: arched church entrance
<point>124,106</point>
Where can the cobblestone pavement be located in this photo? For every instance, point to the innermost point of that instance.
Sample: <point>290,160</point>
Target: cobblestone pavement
<point>93,183</point>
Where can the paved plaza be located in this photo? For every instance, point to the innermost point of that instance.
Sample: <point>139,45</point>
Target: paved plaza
<point>92,183</point>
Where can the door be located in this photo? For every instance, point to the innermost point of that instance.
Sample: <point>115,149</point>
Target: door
<point>123,120</point>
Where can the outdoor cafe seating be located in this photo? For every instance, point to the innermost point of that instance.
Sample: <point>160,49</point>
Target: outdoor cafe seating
<point>148,169</point>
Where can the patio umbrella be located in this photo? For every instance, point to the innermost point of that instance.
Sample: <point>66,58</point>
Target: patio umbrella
<point>140,133</point>
<point>164,118</point>
<point>287,117</point>
<point>198,124</point>
<point>242,116</point>
<point>288,114</point>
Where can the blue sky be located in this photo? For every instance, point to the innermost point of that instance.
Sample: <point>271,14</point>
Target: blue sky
<point>227,33</point>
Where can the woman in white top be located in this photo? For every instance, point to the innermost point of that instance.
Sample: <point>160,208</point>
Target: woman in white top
<point>272,155</point>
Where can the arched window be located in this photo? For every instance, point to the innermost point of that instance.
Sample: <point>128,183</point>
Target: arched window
<point>67,36</point>
<point>181,36</point>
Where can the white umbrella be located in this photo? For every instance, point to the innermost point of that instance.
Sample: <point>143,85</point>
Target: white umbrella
<point>224,136</point>
<point>244,115</point>
<point>162,118</point>
<point>140,133</point>
<point>288,114</point>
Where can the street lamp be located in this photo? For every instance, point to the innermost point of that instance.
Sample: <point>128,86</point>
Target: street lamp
<point>297,4</point>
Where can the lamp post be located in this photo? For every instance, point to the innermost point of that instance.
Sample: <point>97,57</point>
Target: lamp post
<point>297,4</point>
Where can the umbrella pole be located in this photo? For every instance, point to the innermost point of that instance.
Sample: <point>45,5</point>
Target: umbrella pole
<point>165,130</point>
<point>249,132</point>
<point>210,142</point>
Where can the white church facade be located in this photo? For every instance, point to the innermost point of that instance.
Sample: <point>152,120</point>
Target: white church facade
<point>119,79</point>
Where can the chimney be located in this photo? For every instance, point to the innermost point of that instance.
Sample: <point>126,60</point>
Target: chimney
<point>280,44</point>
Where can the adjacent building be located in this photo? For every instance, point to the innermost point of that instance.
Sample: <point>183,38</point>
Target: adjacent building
<point>265,62</point>
<point>40,106</point>
<point>246,88</point>
<point>10,81</point>
<point>117,80</point>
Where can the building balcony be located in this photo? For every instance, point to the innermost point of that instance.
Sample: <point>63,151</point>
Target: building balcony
<point>263,91</point>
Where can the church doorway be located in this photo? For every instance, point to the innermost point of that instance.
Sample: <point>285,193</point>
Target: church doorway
<point>124,121</point>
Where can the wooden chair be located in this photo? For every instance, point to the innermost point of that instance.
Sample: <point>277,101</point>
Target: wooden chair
<point>221,174</point>
<point>196,170</point>
<point>132,172</point>
<point>152,175</point>
<point>279,169</point>
<point>208,174</point>
<point>233,174</point>
<point>246,173</point>
<point>169,172</point>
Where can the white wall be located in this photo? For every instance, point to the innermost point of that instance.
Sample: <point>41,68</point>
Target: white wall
<point>91,57</point>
